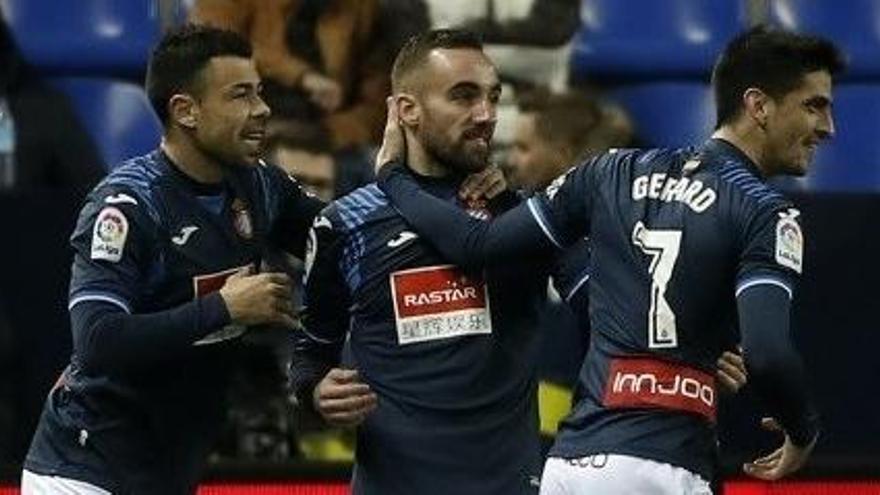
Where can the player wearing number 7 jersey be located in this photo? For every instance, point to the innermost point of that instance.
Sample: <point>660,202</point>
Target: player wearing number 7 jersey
<point>688,244</point>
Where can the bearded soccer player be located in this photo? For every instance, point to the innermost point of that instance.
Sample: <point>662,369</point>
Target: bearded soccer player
<point>443,389</point>
<point>685,243</point>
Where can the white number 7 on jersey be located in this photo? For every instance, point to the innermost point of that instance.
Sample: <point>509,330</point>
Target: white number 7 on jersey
<point>662,246</point>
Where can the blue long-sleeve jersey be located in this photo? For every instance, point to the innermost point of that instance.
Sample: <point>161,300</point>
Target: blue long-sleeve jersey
<point>140,404</point>
<point>450,353</point>
<point>681,240</point>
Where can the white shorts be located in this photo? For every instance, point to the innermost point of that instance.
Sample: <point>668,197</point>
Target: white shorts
<point>612,474</point>
<point>41,484</point>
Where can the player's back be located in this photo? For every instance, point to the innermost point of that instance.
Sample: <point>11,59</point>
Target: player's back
<point>670,232</point>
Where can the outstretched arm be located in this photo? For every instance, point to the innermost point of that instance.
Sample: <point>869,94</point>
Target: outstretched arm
<point>462,239</point>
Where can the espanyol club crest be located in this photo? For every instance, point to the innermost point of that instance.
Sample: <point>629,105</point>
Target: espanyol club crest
<point>241,219</point>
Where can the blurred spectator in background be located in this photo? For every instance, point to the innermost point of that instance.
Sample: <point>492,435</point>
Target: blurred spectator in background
<point>325,68</point>
<point>310,161</point>
<point>552,132</point>
<point>42,143</point>
<point>395,32</point>
<point>546,23</point>
<point>529,40</point>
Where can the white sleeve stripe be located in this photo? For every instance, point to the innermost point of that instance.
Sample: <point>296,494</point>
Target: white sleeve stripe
<point>539,217</point>
<point>577,287</point>
<point>763,281</point>
<point>99,297</point>
<point>317,339</point>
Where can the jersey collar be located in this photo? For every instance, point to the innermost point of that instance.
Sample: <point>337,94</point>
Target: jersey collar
<point>723,148</point>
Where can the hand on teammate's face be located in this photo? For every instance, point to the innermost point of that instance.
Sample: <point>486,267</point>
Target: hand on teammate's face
<point>393,141</point>
<point>342,399</point>
<point>483,185</point>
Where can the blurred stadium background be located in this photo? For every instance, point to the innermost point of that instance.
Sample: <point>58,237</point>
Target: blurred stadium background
<point>652,57</point>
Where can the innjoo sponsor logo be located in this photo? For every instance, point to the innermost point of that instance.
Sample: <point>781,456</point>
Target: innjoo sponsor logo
<point>652,383</point>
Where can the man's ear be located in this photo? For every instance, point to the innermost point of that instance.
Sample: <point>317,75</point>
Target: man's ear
<point>759,106</point>
<point>183,110</point>
<point>409,110</point>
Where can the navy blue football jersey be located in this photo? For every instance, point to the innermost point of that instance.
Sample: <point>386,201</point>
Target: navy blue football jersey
<point>571,275</point>
<point>674,235</point>
<point>451,354</point>
<point>149,239</point>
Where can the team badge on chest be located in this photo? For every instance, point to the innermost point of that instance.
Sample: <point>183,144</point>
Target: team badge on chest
<point>241,219</point>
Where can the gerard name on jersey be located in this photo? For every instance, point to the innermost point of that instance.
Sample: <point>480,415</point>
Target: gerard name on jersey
<point>660,186</point>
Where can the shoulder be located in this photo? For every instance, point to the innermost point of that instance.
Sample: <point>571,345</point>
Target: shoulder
<point>357,207</point>
<point>269,178</point>
<point>128,190</point>
<point>627,161</point>
<point>668,160</point>
<point>618,164</point>
<point>137,176</point>
<point>748,189</point>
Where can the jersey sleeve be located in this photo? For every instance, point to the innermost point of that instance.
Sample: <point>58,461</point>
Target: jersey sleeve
<point>775,368</point>
<point>772,248</point>
<point>462,239</point>
<point>113,246</point>
<point>318,345</point>
<point>112,243</point>
<point>770,264</point>
<point>293,210</point>
<point>564,208</point>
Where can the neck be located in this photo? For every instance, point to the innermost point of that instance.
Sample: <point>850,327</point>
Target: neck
<point>420,161</point>
<point>190,159</point>
<point>747,139</point>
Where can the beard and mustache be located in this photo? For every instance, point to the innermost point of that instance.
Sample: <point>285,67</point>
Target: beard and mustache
<point>470,153</point>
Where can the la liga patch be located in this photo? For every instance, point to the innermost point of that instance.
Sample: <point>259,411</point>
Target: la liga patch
<point>108,237</point>
<point>789,241</point>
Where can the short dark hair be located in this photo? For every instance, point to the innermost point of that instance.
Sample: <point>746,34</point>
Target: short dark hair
<point>771,60</point>
<point>568,117</point>
<point>179,58</point>
<point>581,120</point>
<point>415,52</point>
